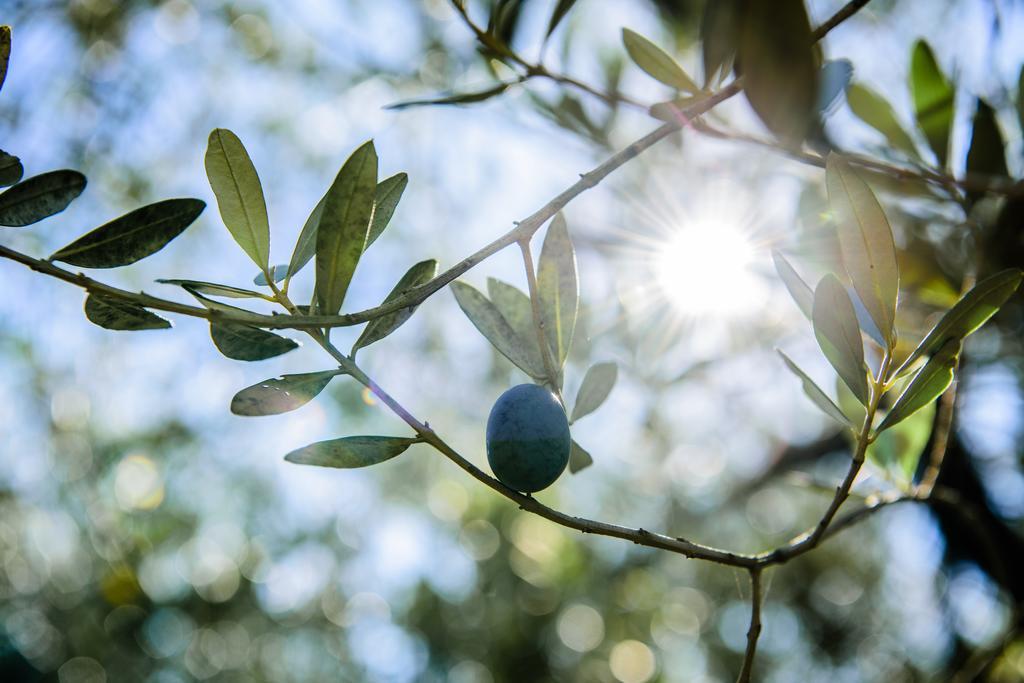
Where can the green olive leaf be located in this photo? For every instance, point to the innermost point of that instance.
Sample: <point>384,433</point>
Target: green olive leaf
<point>558,287</point>
<point>562,8</point>
<point>514,305</point>
<point>798,289</point>
<point>453,98</point>
<point>492,324</point>
<point>244,342</point>
<point>38,197</point>
<point>719,34</point>
<point>281,394</point>
<point>839,335</point>
<point>874,110</point>
<point>927,385</point>
<point>579,458</point>
<point>350,451</point>
<point>933,97</point>
<point>386,197</point>
<point>11,169</point>
<point>5,52</point>
<point>986,155</point>
<point>133,236</point>
<point>114,314</point>
<point>815,393</point>
<point>214,289</point>
<point>277,273</point>
<point>597,385</point>
<point>422,272</point>
<point>866,243</point>
<point>239,194</point>
<point>898,449</point>
<point>657,63</point>
<point>343,226</point>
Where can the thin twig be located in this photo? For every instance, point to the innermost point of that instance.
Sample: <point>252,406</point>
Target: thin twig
<point>754,631</point>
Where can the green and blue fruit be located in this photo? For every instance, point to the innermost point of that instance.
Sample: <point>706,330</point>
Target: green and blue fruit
<point>527,438</point>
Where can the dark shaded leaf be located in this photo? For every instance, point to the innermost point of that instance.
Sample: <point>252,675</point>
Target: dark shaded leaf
<point>305,246</point>
<point>926,386</point>
<point>278,272</point>
<point>1020,98</point>
<point>579,458</point>
<point>933,97</point>
<point>281,394</point>
<point>489,321</point>
<point>343,227</point>
<point>239,194</point>
<point>213,289</point>
<point>833,81</point>
<point>39,197</point>
<point>968,314</point>
<point>378,328</point>
<point>11,169</point>
<point>719,35</point>
<point>562,8</point>
<point>874,110</point>
<point>5,52</point>
<point>133,236</point>
<point>798,289</point>
<point>815,393</point>
<point>987,153</point>
<point>453,98</point>
<point>597,384</point>
<point>558,287</point>
<point>865,240</point>
<point>350,451</point>
<point>657,63</point>
<point>838,335</point>
<point>514,305</point>
<point>244,342</point>
<point>114,314</point>
<point>386,197</point>
<point>777,59</point>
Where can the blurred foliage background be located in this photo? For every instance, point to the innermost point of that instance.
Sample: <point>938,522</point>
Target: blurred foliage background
<point>147,534</point>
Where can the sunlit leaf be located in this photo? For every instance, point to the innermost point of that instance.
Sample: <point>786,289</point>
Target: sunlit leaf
<point>278,273</point>
<point>833,81</point>
<point>114,314</point>
<point>927,385</point>
<point>350,451</point>
<point>898,449</point>
<point>343,227</point>
<point>1020,98</point>
<point>5,52</point>
<point>378,328</point>
<point>933,97</point>
<point>214,289</point>
<point>239,194</point>
<point>489,321</point>
<point>597,385</point>
<point>798,289</point>
<point>386,197</point>
<point>244,342</point>
<point>558,287</point>
<point>656,62</point>
<point>987,153</point>
<point>838,334</point>
<point>673,111</point>
<point>779,68</point>
<point>514,305</point>
<point>133,236</point>
<point>39,197</point>
<point>579,458</point>
<point>11,169</point>
<point>281,394</point>
<point>969,313</point>
<point>562,8</point>
<point>814,392</point>
<point>866,242</point>
<point>874,110</point>
<point>719,34</point>
<point>453,98</point>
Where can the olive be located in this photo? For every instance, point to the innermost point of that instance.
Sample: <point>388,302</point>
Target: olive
<point>527,438</point>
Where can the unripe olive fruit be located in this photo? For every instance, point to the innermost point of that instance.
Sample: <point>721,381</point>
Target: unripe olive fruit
<point>527,438</point>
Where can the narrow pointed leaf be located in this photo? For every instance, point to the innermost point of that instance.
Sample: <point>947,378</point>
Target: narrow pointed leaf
<point>489,321</point>
<point>798,289</point>
<point>386,197</point>
<point>239,194</point>
<point>514,305</point>
<point>839,336</point>
<point>927,385</point>
<point>342,230</point>
<point>866,242</point>
<point>987,153</point>
<point>899,448</point>
<point>305,246</point>
<point>874,110</point>
<point>278,273</point>
<point>579,458</point>
<point>562,8</point>
<point>933,97</point>
<point>656,62</point>
<point>815,393</point>
<point>38,197</point>
<point>378,328</point>
<point>969,313</point>
<point>5,52</point>
<point>776,54</point>
<point>558,287</point>
<point>834,80</point>
<point>453,98</point>
<point>213,289</point>
<point>11,169</point>
<point>719,34</point>
<point>133,236</point>
<point>350,451</point>
<point>1020,98</point>
<point>597,384</point>
<point>244,342</point>
<point>114,314</point>
<point>281,394</point>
